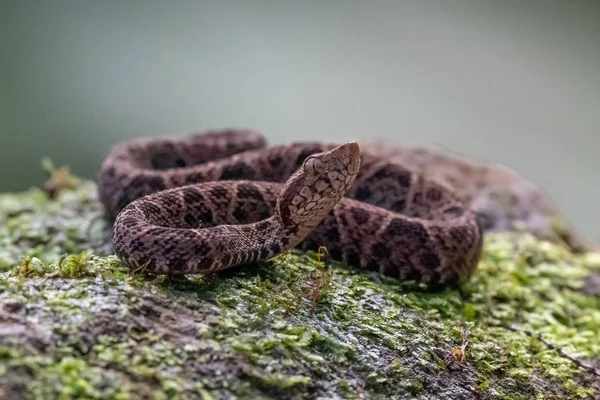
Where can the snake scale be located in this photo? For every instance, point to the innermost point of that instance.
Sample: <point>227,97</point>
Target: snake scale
<point>217,199</point>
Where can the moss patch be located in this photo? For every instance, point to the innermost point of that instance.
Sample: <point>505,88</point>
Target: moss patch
<point>80,326</point>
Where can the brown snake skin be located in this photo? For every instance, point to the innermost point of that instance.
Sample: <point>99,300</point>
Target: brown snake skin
<point>391,220</point>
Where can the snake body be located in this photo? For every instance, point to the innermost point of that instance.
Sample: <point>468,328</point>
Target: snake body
<point>214,200</point>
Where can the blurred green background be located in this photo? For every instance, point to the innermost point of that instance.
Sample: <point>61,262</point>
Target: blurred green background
<point>514,82</point>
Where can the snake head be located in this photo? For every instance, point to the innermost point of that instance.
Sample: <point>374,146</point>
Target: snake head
<point>316,187</point>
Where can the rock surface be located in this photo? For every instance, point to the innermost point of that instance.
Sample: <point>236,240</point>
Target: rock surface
<point>74,323</point>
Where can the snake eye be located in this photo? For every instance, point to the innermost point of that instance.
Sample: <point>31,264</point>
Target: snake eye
<point>313,165</point>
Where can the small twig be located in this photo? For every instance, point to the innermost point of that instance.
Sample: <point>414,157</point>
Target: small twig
<point>560,351</point>
<point>140,268</point>
<point>324,249</point>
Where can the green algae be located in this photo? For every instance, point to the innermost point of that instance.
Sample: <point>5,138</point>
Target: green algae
<point>81,326</point>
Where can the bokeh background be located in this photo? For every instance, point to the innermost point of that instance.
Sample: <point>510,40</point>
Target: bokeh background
<point>513,82</point>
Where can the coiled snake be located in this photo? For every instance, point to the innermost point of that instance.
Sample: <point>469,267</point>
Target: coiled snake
<point>218,199</point>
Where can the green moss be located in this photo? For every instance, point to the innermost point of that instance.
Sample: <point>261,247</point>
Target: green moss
<point>80,326</point>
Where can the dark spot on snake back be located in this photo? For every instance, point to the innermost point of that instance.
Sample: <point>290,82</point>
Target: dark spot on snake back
<point>192,196</point>
<point>382,173</point>
<point>396,227</point>
<point>275,160</point>
<point>430,261</point>
<point>398,206</point>
<point>407,229</point>
<point>130,221</point>
<point>360,216</point>
<point>151,209</point>
<point>395,172</point>
<point>247,191</point>
<point>148,183</point>
<point>417,198</point>
<point>363,193</point>
<point>458,234</point>
<point>194,177</point>
<point>241,215</point>
<point>162,161</point>
<point>404,178</point>
<point>191,221</point>
<point>239,170</point>
<point>380,251</point>
<point>434,194</point>
<point>163,155</point>
<point>111,172</point>
<point>219,192</point>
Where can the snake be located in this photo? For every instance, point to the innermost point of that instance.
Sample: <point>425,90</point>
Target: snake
<point>213,200</point>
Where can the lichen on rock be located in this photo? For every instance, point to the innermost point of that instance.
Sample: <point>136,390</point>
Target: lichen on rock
<point>75,323</point>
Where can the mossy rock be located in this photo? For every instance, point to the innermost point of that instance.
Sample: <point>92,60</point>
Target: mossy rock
<point>74,323</point>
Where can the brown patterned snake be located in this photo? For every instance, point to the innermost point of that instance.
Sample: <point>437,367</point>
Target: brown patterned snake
<point>215,200</point>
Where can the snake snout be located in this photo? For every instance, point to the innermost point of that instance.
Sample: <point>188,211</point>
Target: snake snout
<point>351,148</point>
<point>351,153</point>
